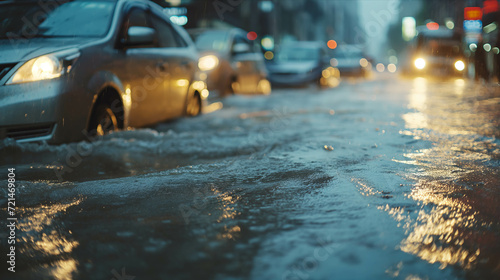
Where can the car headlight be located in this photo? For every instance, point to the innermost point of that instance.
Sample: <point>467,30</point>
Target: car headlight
<point>208,62</point>
<point>45,67</point>
<point>459,65</point>
<point>420,63</point>
<point>363,62</point>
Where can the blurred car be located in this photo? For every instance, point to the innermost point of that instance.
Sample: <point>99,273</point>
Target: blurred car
<point>86,68</point>
<point>351,61</point>
<point>436,51</point>
<point>302,63</point>
<point>231,61</point>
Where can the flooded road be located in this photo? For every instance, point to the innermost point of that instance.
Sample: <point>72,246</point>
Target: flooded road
<point>386,178</point>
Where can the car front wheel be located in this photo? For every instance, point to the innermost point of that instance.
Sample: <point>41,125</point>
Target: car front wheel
<point>103,121</point>
<point>193,107</point>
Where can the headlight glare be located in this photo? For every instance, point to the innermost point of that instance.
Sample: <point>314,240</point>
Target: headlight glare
<point>459,65</point>
<point>40,68</point>
<point>420,63</point>
<point>208,62</point>
<point>45,67</point>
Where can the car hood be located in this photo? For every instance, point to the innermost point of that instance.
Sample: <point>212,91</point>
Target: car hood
<point>216,53</point>
<point>292,67</point>
<point>19,50</point>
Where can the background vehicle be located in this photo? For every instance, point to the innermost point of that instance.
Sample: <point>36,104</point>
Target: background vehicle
<point>90,67</point>
<point>436,52</point>
<point>302,63</point>
<point>232,62</point>
<point>351,61</point>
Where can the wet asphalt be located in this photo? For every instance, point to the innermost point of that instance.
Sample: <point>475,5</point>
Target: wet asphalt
<point>386,178</point>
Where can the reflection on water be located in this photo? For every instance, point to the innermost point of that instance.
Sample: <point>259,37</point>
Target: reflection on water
<point>457,179</point>
<point>440,232</point>
<point>63,269</point>
<point>227,207</point>
<point>418,95</point>
<point>43,239</point>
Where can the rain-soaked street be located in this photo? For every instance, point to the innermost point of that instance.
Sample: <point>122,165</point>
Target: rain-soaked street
<point>384,178</point>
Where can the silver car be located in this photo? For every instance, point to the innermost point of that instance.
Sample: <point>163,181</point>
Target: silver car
<point>232,62</point>
<point>72,70</point>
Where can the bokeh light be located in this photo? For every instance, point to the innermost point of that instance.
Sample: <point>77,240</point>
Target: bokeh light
<point>251,35</point>
<point>363,62</point>
<point>269,55</point>
<point>267,43</point>
<point>392,68</point>
<point>432,26</point>
<point>380,67</point>
<point>332,44</point>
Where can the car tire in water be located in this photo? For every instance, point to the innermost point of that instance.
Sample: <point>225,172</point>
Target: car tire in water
<point>193,107</point>
<point>231,87</point>
<point>103,120</point>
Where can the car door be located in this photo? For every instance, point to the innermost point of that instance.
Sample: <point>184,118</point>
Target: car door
<point>180,60</point>
<point>144,72</point>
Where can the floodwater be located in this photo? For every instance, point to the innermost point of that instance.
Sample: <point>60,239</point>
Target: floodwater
<point>384,178</point>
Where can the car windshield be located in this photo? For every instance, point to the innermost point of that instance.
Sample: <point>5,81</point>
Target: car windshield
<point>442,48</point>
<point>211,40</point>
<point>55,19</point>
<point>294,54</point>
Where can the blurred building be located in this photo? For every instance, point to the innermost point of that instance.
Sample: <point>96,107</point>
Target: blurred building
<point>344,20</point>
<point>449,13</point>
<point>441,11</point>
<point>281,19</point>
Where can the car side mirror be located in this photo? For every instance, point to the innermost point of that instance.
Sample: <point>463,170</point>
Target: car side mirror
<point>241,48</point>
<point>139,35</point>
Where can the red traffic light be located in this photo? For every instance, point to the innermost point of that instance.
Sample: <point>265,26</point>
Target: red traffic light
<point>432,26</point>
<point>251,35</point>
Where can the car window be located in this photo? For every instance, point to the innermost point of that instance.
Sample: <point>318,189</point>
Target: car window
<point>442,48</point>
<point>238,40</point>
<point>167,36</point>
<point>180,40</point>
<point>211,40</point>
<point>242,40</point>
<point>136,17</point>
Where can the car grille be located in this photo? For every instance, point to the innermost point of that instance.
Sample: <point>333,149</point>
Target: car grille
<point>31,131</point>
<point>5,68</point>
